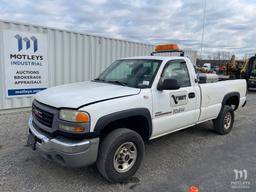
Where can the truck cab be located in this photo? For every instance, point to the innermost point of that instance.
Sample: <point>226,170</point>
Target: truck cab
<point>207,66</point>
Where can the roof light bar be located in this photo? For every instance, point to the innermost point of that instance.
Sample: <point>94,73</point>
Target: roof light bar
<point>168,48</point>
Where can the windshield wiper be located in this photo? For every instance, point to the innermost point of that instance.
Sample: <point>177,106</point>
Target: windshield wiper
<point>97,79</point>
<point>111,81</point>
<point>117,82</point>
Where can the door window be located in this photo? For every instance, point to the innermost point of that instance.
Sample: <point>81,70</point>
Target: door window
<point>177,70</point>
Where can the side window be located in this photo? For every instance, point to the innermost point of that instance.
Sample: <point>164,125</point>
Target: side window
<point>177,70</point>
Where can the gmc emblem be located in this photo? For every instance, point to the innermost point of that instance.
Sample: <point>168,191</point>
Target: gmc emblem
<point>38,113</point>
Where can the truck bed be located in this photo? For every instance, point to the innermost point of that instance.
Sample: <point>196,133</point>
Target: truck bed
<point>212,95</point>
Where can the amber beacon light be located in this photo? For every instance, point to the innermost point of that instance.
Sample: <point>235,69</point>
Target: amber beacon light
<point>167,48</point>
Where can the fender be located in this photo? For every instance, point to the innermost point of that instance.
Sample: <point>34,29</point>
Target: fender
<point>105,120</point>
<point>229,95</point>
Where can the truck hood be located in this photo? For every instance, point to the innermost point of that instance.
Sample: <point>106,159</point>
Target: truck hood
<point>76,95</point>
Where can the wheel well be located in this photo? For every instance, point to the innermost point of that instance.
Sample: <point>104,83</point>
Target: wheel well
<point>233,100</point>
<point>136,123</point>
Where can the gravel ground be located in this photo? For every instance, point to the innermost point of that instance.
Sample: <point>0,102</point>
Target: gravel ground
<point>195,156</point>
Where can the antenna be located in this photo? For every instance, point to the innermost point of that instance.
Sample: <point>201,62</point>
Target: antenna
<point>202,38</point>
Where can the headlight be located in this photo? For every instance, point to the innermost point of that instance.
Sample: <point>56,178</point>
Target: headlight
<point>74,116</point>
<point>75,120</point>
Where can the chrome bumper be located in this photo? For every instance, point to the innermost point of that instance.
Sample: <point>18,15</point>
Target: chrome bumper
<point>64,151</point>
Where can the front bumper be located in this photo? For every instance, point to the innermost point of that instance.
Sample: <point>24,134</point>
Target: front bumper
<point>67,152</point>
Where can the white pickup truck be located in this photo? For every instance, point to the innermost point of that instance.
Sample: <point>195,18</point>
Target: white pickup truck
<point>107,120</point>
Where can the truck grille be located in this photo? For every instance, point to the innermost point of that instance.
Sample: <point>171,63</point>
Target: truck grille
<point>42,116</point>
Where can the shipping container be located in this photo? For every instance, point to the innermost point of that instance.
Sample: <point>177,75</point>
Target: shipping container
<point>72,56</point>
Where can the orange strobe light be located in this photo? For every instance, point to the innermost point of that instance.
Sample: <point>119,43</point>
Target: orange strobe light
<point>167,47</point>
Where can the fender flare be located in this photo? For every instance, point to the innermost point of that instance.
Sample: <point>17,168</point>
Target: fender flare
<point>105,120</point>
<point>229,95</point>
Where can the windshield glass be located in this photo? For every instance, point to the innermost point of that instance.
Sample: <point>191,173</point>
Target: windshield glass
<point>137,73</point>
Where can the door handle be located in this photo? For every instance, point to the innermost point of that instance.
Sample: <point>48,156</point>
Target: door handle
<point>191,95</point>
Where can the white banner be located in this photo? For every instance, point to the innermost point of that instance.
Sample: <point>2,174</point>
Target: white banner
<point>26,63</point>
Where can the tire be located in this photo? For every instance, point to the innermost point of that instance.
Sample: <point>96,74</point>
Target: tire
<point>225,120</point>
<point>120,169</point>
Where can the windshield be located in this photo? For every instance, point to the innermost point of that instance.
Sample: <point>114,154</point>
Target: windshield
<point>138,73</point>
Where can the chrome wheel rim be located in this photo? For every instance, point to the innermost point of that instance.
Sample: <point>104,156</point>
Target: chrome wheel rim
<point>125,157</point>
<point>227,120</point>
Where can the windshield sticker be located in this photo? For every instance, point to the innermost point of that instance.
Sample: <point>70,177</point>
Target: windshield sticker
<point>145,83</point>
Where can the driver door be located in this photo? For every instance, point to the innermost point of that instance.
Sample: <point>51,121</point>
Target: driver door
<point>174,109</point>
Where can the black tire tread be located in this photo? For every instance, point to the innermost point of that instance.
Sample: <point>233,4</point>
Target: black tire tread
<point>218,123</point>
<point>106,146</point>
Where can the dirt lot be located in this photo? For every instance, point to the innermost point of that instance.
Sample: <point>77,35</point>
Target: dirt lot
<point>195,156</point>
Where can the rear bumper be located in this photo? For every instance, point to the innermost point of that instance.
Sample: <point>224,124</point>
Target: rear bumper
<point>70,153</point>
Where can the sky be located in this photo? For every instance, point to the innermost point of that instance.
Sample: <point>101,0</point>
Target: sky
<point>230,26</point>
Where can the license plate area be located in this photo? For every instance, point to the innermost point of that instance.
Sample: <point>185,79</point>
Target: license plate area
<point>32,140</point>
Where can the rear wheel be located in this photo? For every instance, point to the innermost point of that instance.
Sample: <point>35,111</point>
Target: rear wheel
<point>224,122</point>
<point>120,155</point>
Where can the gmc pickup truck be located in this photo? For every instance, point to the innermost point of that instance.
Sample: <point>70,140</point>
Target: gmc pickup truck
<point>107,120</point>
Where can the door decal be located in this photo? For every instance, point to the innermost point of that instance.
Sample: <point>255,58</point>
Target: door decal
<point>178,99</point>
<point>174,99</point>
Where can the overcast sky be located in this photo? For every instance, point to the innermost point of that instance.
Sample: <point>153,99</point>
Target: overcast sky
<point>230,25</point>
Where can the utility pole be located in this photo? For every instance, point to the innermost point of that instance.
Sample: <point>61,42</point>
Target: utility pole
<point>202,38</point>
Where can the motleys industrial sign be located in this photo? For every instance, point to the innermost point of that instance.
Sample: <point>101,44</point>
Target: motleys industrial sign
<point>26,63</point>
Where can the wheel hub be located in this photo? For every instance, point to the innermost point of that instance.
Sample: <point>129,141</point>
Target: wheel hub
<point>125,157</point>
<point>227,120</point>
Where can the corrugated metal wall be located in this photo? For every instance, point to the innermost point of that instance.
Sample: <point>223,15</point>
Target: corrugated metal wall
<point>72,57</point>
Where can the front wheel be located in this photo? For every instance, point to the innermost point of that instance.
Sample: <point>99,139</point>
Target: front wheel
<point>120,155</point>
<point>224,122</point>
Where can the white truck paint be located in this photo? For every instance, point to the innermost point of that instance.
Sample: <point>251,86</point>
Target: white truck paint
<point>170,110</point>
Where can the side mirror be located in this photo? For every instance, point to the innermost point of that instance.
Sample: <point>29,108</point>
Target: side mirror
<point>168,84</point>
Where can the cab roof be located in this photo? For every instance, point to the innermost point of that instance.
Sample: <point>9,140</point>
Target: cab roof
<point>163,58</point>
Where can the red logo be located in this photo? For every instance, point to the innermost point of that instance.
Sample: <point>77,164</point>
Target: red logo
<point>38,113</point>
